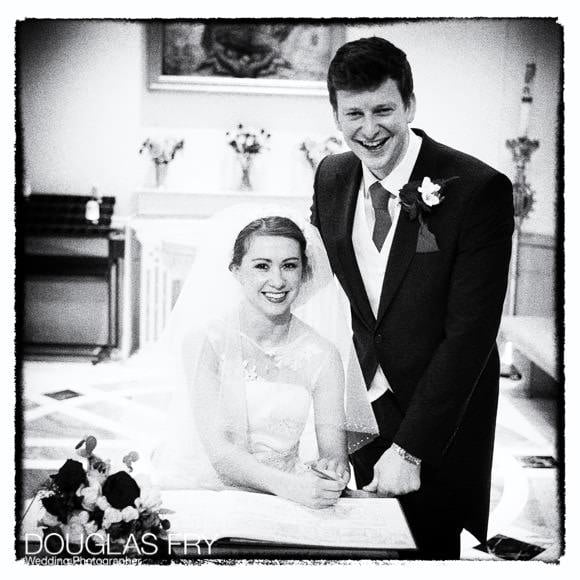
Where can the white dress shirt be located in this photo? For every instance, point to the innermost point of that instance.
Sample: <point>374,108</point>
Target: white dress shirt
<point>372,263</point>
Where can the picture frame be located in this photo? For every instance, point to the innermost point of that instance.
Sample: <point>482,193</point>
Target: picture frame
<point>289,58</point>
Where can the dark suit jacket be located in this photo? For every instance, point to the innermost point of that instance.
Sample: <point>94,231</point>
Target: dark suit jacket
<point>438,318</point>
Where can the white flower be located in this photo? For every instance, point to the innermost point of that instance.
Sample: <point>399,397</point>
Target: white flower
<point>74,533</point>
<point>428,191</point>
<point>91,528</point>
<point>129,513</point>
<point>102,503</point>
<point>333,145</point>
<point>96,478</point>
<point>49,520</point>
<point>80,518</point>
<point>156,151</point>
<point>90,496</point>
<point>112,516</point>
<point>247,140</point>
<point>163,151</point>
<point>149,500</point>
<point>99,537</point>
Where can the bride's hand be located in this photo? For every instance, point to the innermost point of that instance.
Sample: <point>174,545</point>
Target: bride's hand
<point>313,491</point>
<point>335,466</point>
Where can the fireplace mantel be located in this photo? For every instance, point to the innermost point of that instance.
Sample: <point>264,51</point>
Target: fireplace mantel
<point>179,203</point>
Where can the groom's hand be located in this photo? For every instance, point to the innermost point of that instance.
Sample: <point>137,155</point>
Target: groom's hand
<point>394,475</point>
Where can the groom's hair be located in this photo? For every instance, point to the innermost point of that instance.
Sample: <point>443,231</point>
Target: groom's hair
<point>270,226</point>
<point>366,63</point>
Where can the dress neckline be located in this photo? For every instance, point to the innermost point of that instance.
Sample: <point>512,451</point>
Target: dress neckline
<point>289,340</point>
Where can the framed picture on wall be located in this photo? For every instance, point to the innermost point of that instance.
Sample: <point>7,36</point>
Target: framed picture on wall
<point>260,56</point>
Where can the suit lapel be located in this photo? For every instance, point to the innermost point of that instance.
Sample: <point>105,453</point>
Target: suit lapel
<point>405,238</point>
<point>345,204</point>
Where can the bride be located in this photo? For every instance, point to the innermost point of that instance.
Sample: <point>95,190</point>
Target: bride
<point>265,368</point>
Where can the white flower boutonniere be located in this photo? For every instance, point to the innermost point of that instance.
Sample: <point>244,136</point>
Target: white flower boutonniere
<point>418,200</point>
<point>429,192</point>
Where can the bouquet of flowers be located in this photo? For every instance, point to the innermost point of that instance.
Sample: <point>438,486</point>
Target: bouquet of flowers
<point>87,505</point>
<point>162,152</point>
<point>316,151</point>
<point>247,143</point>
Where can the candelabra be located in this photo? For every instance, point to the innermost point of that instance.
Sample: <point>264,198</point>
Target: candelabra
<point>522,149</point>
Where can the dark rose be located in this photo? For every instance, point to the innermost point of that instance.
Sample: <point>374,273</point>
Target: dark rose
<point>121,490</point>
<point>70,476</point>
<point>62,505</point>
<point>120,530</point>
<point>149,520</point>
<point>57,506</point>
<point>97,516</point>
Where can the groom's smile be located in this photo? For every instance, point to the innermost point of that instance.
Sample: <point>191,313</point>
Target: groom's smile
<point>372,145</point>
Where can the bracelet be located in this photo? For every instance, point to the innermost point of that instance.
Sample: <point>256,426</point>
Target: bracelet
<point>406,455</point>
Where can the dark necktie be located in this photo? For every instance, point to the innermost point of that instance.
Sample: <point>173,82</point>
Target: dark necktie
<point>380,199</point>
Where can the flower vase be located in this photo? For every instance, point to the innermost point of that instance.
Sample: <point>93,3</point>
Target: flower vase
<point>246,164</point>
<point>160,173</point>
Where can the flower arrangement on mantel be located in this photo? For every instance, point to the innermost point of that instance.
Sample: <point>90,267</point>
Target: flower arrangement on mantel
<point>247,142</point>
<point>88,507</point>
<point>162,153</point>
<point>316,151</point>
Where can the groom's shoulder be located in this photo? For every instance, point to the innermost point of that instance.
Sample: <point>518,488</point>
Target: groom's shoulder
<point>338,162</point>
<point>460,162</point>
<point>333,171</point>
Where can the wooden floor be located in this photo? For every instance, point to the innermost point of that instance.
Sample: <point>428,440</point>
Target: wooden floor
<point>122,403</point>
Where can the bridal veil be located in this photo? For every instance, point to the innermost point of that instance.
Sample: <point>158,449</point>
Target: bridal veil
<point>203,350</point>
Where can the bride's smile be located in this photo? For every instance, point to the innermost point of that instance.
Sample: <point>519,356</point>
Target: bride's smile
<point>275,297</point>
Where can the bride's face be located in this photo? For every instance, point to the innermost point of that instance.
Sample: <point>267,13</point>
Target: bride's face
<point>271,273</point>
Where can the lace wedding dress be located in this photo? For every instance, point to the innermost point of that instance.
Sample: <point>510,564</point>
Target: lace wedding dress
<point>276,406</point>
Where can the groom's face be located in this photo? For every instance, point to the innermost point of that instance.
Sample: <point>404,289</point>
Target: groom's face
<point>375,125</point>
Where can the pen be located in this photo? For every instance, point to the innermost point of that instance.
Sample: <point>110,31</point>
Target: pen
<point>324,474</point>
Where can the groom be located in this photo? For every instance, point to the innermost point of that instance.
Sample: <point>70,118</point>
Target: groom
<point>419,236</point>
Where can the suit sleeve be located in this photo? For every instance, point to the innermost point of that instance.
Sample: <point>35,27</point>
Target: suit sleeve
<point>314,216</point>
<point>474,307</point>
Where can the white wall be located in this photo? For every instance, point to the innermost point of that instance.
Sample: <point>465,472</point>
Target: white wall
<point>80,89</point>
<point>86,108</point>
<point>469,77</point>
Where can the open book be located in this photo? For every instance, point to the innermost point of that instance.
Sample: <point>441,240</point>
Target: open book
<point>371,523</point>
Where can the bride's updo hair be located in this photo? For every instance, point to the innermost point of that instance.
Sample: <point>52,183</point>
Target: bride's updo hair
<point>270,226</point>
